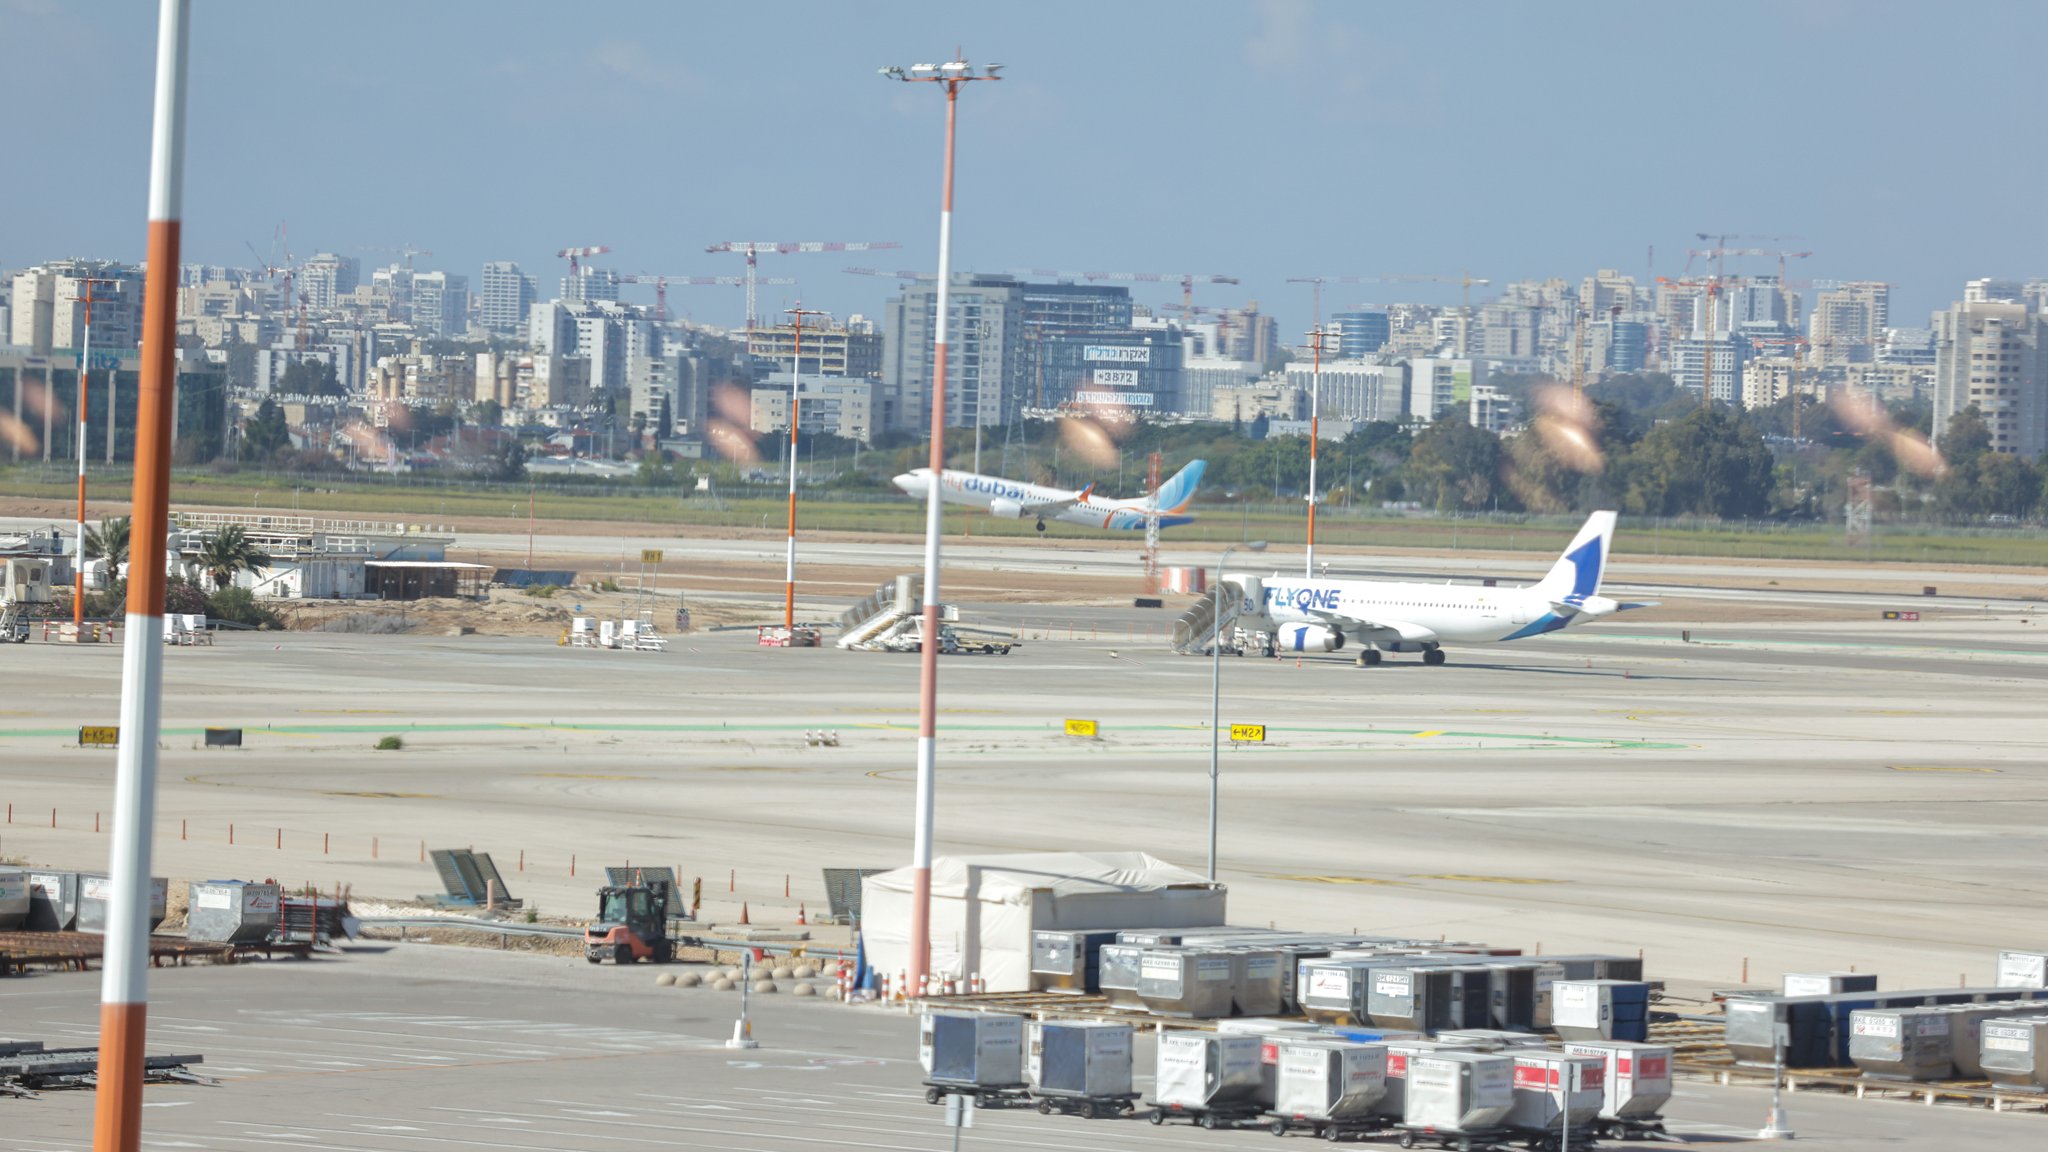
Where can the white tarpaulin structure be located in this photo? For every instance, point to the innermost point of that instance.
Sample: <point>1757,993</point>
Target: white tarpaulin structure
<point>985,908</point>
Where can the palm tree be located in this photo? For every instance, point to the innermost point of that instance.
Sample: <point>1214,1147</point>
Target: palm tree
<point>109,542</point>
<point>227,552</point>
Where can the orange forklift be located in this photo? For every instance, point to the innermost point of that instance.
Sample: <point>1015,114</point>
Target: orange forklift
<point>632,918</point>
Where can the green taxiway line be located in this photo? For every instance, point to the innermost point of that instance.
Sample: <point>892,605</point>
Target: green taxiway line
<point>1741,642</point>
<point>557,726</point>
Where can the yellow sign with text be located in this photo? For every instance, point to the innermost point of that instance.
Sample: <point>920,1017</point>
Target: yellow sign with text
<point>99,736</point>
<point>1083,728</point>
<point>650,555</point>
<point>1248,733</point>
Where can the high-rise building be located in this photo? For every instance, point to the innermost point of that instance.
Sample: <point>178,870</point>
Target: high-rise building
<point>590,285</point>
<point>1618,344</point>
<point>1848,320</point>
<point>1991,353</point>
<point>853,349</point>
<point>504,296</point>
<point>1361,334</point>
<point>440,304</point>
<point>1354,389</point>
<point>1686,361</point>
<point>325,278</point>
<point>1136,368</point>
<point>1437,385</point>
<point>985,353</point>
<point>48,306</point>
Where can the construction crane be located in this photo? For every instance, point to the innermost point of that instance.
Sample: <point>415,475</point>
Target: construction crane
<point>1710,290</point>
<point>1319,281</point>
<point>575,257</point>
<point>1464,281</point>
<point>661,284</point>
<point>403,251</point>
<point>752,250</point>
<point>1222,316</point>
<point>903,274</point>
<point>285,275</point>
<point>1187,280</point>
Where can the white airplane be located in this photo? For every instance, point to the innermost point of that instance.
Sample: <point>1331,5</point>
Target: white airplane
<point>1016,500</point>
<point>1383,616</point>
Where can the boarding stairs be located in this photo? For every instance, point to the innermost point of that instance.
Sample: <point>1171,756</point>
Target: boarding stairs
<point>888,614</point>
<point>1193,631</point>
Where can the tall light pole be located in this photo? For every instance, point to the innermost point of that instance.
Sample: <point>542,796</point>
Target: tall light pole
<point>124,977</point>
<point>84,372</point>
<point>1216,690</point>
<point>796,367</point>
<point>1315,413</point>
<point>952,75</point>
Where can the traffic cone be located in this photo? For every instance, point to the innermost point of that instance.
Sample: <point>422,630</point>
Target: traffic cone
<point>800,917</point>
<point>743,914</point>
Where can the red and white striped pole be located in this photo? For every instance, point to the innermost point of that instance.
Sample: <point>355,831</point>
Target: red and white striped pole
<point>124,984</point>
<point>951,74</point>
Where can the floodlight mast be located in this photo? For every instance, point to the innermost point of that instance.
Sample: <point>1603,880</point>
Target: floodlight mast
<point>952,74</point>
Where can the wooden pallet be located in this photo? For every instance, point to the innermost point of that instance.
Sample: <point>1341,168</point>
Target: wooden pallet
<point>75,951</point>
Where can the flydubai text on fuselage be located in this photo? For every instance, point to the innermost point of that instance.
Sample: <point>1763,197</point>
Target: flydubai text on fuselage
<point>1016,500</point>
<point>1380,616</point>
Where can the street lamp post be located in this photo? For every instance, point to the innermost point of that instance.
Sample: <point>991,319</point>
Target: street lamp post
<point>952,75</point>
<point>1216,689</point>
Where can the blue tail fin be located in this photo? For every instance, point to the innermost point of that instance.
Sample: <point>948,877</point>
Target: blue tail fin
<point>1577,573</point>
<point>1176,493</point>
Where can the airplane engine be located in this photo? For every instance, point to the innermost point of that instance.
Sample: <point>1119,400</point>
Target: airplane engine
<point>1007,509</point>
<point>1310,638</point>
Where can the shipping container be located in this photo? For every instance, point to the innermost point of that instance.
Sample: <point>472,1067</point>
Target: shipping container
<point>1423,999</point>
<point>1460,1093</point>
<point>1117,974</point>
<point>1326,1080</point>
<point>1965,1031</point>
<point>1637,1080</point>
<point>1067,961</point>
<point>1513,1006</point>
<point>2014,1051</point>
<point>13,899</point>
<point>52,901</point>
<point>1600,1010</point>
<point>1816,1030</point>
<point>1553,1088</point>
<point>1399,1053</point>
<point>973,1049</point>
<point>96,893</point>
<point>232,911</point>
<point>1191,982</point>
<point>1828,983</point>
<point>1205,1072</point>
<point>1079,1058</point>
<point>1256,985</point>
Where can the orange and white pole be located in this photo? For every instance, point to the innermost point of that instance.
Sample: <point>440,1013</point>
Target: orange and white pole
<point>796,365</point>
<point>124,983</point>
<point>951,74</point>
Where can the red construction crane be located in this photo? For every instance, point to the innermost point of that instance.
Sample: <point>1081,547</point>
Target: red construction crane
<point>752,250</point>
<point>661,284</point>
<point>903,274</point>
<point>576,255</point>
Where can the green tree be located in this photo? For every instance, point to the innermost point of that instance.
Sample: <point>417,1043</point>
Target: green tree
<point>229,551</point>
<point>489,414</point>
<point>1454,466</point>
<point>240,605</point>
<point>310,378</point>
<point>655,469</point>
<point>1710,462</point>
<point>265,433</point>
<point>109,542</point>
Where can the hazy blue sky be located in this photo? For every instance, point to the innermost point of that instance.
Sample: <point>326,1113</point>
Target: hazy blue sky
<point>1261,140</point>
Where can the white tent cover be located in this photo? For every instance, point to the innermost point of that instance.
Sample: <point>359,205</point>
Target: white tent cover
<point>985,908</point>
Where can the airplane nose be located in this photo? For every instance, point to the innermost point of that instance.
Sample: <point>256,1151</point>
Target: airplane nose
<point>909,482</point>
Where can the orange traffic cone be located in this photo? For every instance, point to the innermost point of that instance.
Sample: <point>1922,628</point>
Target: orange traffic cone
<point>800,917</point>
<point>743,914</point>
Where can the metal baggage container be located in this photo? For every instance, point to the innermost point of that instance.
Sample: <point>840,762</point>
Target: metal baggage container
<point>1190,983</point>
<point>1399,1053</point>
<point>1828,983</point>
<point>13,899</point>
<point>1423,999</point>
<point>1329,1079</point>
<point>1079,1058</point>
<point>232,911</point>
<point>1513,1006</point>
<point>96,892</point>
<point>52,901</point>
<point>973,1049</point>
<point>1637,1080</point>
<point>1551,1087</point>
<point>1164,937</point>
<point>1902,1043</point>
<point>1471,995</point>
<point>1459,1092</point>
<point>1491,1039</point>
<point>1117,974</point>
<point>2019,969</point>
<point>1206,1071</point>
<point>1965,1032</point>
<point>2011,1049</point>
<point>1331,991</point>
<point>1266,1026</point>
<point>1256,985</point>
<point>1067,961</point>
<point>1600,1010</point>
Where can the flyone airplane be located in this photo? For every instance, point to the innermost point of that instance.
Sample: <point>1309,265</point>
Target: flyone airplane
<point>1016,500</point>
<point>1383,616</point>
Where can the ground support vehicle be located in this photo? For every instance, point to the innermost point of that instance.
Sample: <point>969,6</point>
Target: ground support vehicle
<point>1113,1106</point>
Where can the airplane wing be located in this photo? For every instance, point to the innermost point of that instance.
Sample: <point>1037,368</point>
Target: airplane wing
<point>1056,506</point>
<point>1377,631</point>
<point>1597,606</point>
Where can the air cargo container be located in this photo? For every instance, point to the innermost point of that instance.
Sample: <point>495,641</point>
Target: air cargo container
<point>1554,1090</point>
<point>1600,1009</point>
<point>1067,961</point>
<point>1080,1066</point>
<point>232,911</point>
<point>1635,1087</point>
<point>1828,983</point>
<point>1328,1086</point>
<point>1210,1078</point>
<point>1459,1094</point>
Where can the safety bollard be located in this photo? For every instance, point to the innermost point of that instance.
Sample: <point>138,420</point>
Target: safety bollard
<point>732,879</point>
<point>95,821</point>
<point>231,835</point>
<point>572,865</point>
<point>53,817</point>
<point>423,851</point>
<point>785,885</point>
<point>181,829</point>
<point>522,859</point>
<point>323,842</point>
<point>373,854</point>
<point>280,839</point>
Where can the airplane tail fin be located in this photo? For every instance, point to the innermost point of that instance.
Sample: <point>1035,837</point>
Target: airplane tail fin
<point>1577,574</point>
<point>1178,491</point>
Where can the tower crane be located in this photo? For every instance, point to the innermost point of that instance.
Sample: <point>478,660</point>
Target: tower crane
<point>576,255</point>
<point>752,250</point>
<point>1187,280</point>
<point>403,251</point>
<point>661,284</point>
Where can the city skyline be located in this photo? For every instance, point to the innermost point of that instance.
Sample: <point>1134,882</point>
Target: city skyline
<point>1207,146</point>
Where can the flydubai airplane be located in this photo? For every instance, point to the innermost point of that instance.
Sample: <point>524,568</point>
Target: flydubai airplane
<point>1381,616</point>
<point>1016,500</point>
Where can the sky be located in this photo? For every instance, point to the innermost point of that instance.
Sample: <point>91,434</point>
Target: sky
<point>1264,141</point>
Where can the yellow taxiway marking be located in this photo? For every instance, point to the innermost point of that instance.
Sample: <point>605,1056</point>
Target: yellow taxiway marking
<point>1330,879</point>
<point>1427,735</point>
<point>1483,879</point>
<point>582,776</point>
<point>1942,768</point>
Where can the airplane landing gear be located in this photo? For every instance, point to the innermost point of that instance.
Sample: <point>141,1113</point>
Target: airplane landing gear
<point>1433,656</point>
<point>1369,658</point>
<point>1041,525</point>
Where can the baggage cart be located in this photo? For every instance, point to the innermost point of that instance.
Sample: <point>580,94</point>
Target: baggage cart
<point>1080,1068</point>
<point>1207,1078</point>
